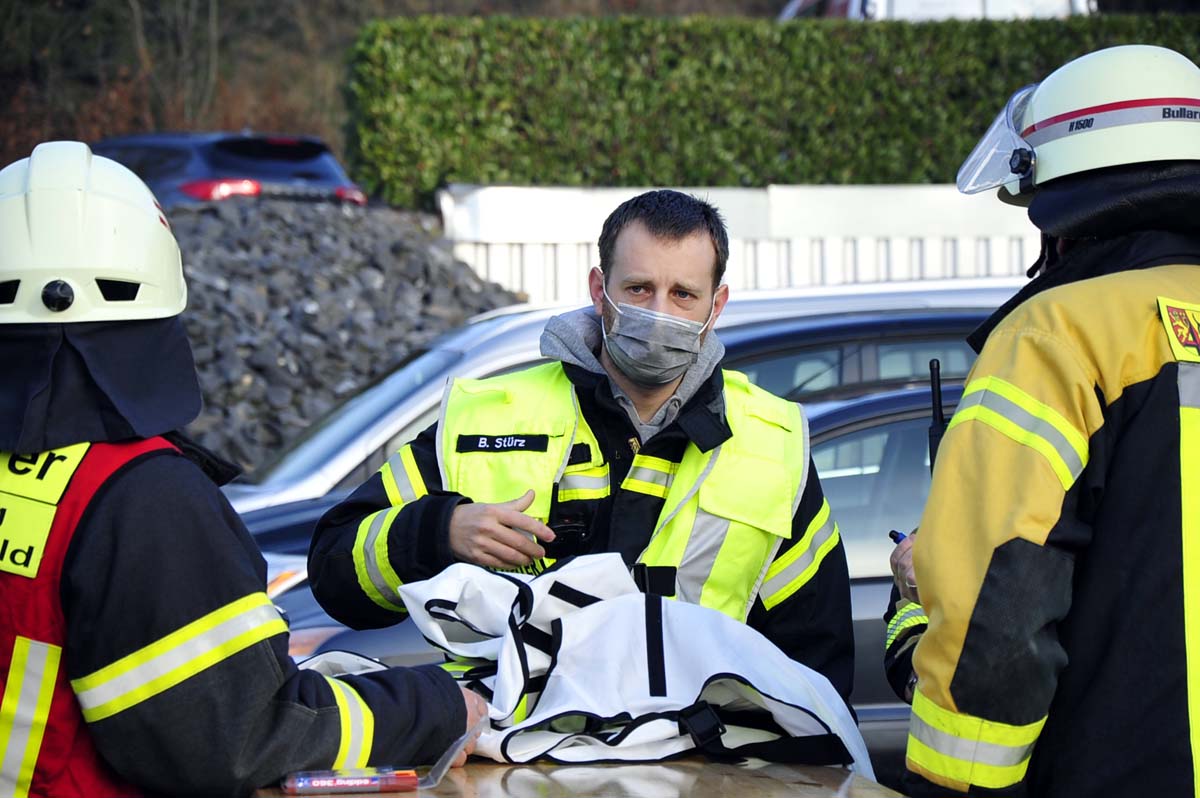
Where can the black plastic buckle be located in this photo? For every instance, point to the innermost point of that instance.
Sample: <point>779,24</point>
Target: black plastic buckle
<point>700,720</point>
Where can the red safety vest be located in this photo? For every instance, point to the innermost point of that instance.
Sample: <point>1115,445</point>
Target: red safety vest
<point>45,748</point>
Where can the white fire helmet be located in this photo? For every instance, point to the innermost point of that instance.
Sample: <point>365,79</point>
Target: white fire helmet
<point>1123,105</point>
<point>83,239</point>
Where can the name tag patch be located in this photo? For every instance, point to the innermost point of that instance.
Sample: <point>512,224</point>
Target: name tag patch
<point>502,443</point>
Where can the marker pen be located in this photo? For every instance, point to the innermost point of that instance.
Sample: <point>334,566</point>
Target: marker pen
<point>896,536</point>
<point>354,780</point>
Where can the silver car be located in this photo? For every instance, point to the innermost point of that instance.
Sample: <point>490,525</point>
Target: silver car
<point>350,443</point>
<point>857,357</point>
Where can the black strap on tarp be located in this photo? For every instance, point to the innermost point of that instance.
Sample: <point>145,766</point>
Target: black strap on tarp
<point>702,721</point>
<point>654,580</point>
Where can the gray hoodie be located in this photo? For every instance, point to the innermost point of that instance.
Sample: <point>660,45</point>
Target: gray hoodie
<point>575,337</point>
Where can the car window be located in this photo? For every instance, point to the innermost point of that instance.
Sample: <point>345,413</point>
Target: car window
<point>907,360</point>
<point>802,373</point>
<point>362,472</point>
<point>350,419</point>
<point>874,480</point>
<point>150,162</point>
<point>806,370</point>
<point>278,158</point>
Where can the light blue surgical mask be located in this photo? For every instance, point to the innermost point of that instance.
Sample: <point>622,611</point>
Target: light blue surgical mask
<point>651,348</point>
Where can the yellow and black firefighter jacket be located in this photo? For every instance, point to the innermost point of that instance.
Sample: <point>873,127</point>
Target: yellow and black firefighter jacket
<point>721,508</point>
<point>1059,553</point>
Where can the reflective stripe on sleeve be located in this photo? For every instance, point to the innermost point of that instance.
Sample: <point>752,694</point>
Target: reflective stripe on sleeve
<point>907,616</point>
<point>358,726</point>
<point>797,565</point>
<point>24,710</point>
<point>1189,466</point>
<point>591,483</point>
<point>374,570</point>
<point>957,750</point>
<point>650,475</point>
<point>1009,410</point>
<point>177,657</point>
<point>402,479</point>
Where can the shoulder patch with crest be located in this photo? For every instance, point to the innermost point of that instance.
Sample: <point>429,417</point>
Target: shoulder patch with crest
<point>1182,323</point>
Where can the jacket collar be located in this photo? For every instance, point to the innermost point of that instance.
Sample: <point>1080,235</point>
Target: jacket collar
<point>701,420</point>
<point>1095,258</point>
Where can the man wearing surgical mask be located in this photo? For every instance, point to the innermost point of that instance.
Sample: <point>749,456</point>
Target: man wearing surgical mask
<point>631,440</point>
<point>655,329</point>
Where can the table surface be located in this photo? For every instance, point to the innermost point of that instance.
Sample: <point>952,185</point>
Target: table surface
<point>682,779</point>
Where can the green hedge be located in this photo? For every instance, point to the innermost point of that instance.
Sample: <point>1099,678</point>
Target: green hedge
<point>695,101</point>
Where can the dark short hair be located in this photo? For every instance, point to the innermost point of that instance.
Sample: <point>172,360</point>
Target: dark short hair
<point>669,215</point>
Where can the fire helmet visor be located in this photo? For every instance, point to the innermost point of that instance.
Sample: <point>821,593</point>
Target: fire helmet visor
<point>992,163</point>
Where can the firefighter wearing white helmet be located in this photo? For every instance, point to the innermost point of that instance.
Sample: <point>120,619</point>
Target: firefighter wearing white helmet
<point>1124,105</point>
<point>1058,558</point>
<point>139,651</point>
<point>100,251</point>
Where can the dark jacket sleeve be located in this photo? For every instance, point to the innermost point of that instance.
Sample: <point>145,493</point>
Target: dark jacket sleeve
<point>809,616</point>
<point>905,622</point>
<point>180,660</point>
<point>355,583</point>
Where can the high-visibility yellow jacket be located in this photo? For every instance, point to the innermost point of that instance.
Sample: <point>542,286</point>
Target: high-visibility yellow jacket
<point>725,512</point>
<point>723,508</point>
<point>1058,559</point>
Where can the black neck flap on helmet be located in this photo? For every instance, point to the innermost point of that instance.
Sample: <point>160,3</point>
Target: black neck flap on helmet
<point>95,382</point>
<point>1106,203</point>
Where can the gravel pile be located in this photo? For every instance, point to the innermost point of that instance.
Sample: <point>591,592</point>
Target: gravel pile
<point>294,306</point>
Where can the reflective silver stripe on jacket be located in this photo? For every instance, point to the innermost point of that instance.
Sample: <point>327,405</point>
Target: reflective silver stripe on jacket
<point>914,616</point>
<point>580,482</point>
<point>782,579</point>
<point>651,475</point>
<point>1189,385</point>
<point>24,711</point>
<point>1029,422</point>
<point>167,662</point>
<point>379,525</point>
<point>354,749</point>
<point>978,751</point>
<point>404,485</point>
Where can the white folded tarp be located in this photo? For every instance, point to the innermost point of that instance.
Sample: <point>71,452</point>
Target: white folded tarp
<point>581,667</point>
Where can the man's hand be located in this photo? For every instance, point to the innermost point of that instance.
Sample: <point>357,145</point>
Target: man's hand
<point>498,535</point>
<point>476,709</point>
<point>902,568</point>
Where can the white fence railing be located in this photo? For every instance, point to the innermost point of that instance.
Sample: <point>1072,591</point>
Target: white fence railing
<point>542,241</point>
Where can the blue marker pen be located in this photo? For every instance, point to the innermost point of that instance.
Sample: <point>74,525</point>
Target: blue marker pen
<point>896,536</point>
